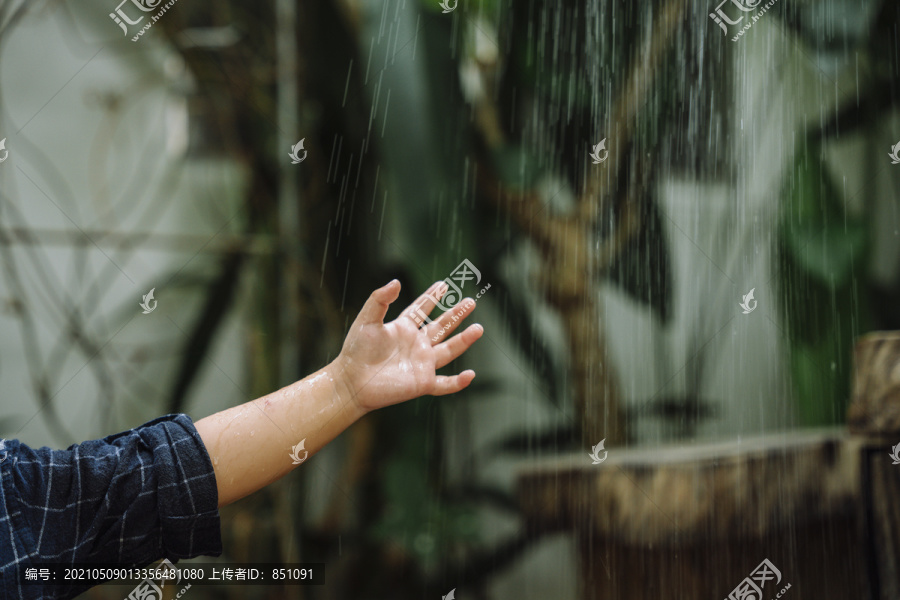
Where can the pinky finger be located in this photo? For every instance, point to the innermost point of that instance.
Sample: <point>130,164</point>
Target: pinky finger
<point>450,384</point>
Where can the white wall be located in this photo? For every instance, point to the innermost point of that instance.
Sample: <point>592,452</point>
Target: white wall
<point>95,129</point>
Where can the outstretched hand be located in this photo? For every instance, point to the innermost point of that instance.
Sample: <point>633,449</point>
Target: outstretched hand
<point>381,364</point>
<point>387,363</point>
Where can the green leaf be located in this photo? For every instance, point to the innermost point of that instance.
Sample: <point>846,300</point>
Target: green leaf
<point>821,386</point>
<point>816,231</point>
<point>642,269</point>
<point>516,167</point>
<point>828,251</point>
<point>415,518</point>
<point>821,258</point>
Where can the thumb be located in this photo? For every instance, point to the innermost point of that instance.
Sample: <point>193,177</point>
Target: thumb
<point>376,307</point>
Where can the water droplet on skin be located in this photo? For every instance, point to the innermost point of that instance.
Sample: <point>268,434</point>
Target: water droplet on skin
<point>215,460</point>
<point>251,433</point>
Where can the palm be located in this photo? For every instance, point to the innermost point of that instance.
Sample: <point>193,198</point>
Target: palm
<point>387,363</point>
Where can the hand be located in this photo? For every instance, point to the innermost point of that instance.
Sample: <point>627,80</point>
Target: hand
<point>387,363</point>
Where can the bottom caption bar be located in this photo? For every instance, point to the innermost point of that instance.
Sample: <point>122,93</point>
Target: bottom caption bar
<point>169,574</point>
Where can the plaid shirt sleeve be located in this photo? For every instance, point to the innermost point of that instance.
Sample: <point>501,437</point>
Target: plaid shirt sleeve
<point>130,499</point>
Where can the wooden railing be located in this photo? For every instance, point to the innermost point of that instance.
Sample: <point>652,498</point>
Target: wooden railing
<point>692,522</point>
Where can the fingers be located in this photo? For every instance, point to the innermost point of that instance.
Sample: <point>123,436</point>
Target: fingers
<point>440,330</point>
<point>455,346</point>
<point>376,307</point>
<point>424,304</point>
<point>450,384</point>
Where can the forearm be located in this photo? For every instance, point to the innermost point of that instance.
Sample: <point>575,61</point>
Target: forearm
<point>250,444</point>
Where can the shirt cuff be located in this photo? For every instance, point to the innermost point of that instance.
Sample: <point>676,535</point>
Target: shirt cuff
<point>187,494</point>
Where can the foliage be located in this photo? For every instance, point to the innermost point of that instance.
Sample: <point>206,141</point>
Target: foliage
<point>414,516</point>
<point>822,251</point>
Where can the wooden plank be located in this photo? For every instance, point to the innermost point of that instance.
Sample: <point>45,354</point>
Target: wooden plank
<point>819,559</point>
<point>676,495</point>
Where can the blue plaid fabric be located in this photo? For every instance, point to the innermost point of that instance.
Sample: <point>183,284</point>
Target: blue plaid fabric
<point>130,499</point>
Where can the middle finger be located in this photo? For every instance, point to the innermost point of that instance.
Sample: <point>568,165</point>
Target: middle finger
<point>444,326</point>
<point>419,310</point>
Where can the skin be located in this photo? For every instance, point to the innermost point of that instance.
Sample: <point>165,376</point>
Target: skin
<point>380,364</point>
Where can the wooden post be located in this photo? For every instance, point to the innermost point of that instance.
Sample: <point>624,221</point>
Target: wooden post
<point>874,416</point>
<point>875,409</point>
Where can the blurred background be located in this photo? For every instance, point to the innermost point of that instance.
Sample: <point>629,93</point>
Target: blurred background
<point>701,280</point>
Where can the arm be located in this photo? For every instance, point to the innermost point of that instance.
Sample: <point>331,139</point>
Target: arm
<point>380,364</point>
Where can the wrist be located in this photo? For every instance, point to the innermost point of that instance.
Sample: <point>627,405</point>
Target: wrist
<point>345,390</point>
